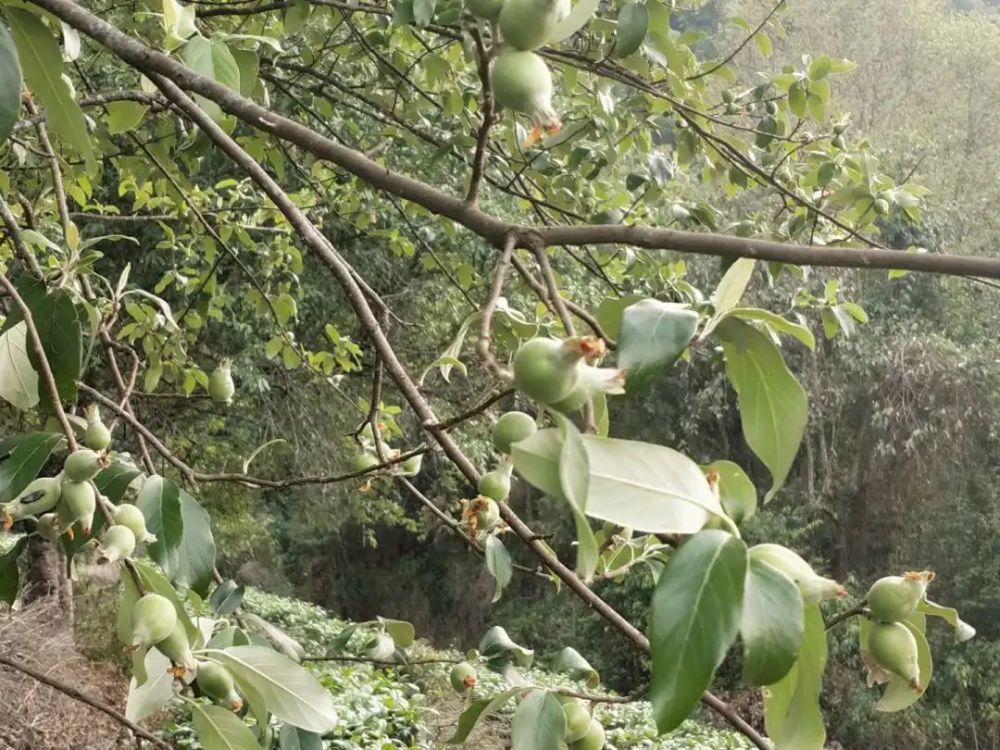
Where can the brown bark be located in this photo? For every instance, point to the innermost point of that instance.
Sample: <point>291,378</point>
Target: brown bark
<point>45,576</point>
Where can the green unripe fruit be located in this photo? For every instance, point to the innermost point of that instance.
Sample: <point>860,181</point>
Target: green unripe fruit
<point>527,24</point>
<point>840,128</point>
<point>77,505</point>
<point>97,436</point>
<point>382,648</point>
<point>488,10</point>
<point>82,465</point>
<point>772,108</point>
<point>893,646</point>
<point>364,461</point>
<point>895,598</point>
<point>732,109</point>
<point>220,383</point>
<point>177,648</point>
<point>522,82</point>
<point>545,370</point>
<point>48,527</point>
<point>153,619</point>
<point>574,400</point>
<point>215,681</point>
<point>814,588</point>
<point>487,514</point>
<point>838,141</point>
<point>728,96</point>
<point>881,206</point>
<point>411,466</point>
<point>495,485</point>
<point>130,516</point>
<point>117,543</point>
<point>462,677</point>
<point>512,427</point>
<point>592,740</point>
<point>577,721</point>
<point>679,212</point>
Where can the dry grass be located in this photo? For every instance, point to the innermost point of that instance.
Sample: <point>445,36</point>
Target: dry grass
<point>36,717</point>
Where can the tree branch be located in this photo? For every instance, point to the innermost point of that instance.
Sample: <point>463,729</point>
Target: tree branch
<point>486,110</point>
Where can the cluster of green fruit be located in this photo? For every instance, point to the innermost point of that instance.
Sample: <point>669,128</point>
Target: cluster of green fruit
<point>521,80</point>
<point>367,458</point>
<point>583,732</point>
<point>60,503</point>
<point>155,624</point>
<point>891,645</point>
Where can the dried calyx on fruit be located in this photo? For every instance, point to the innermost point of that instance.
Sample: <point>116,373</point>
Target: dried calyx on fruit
<point>895,598</point>
<point>463,677</point>
<point>220,383</point>
<point>97,436</point>
<point>215,681</point>
<point>522,82</point>
<point>893,647</point>
<point>83,465</point>
<point>485,513</point>
<point>547,370</point>
<point>496,484</point>
<point>177,648</point>
<point>117,543</point>
<point>593,380</point>
<point>528,24</point>
<point>153,619</point>
<point>77,504</point>
<point>130,516</point>
<point>511,428</point>
<point>813,587</point>
<point>40,496</point>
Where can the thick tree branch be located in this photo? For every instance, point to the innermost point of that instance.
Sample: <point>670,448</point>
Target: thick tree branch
<point>489,227</point>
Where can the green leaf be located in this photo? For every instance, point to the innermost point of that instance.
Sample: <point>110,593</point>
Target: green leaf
<point>574,481</point>
<point>124,117</point>
<point>797,99</point>
<point>159,501</point>
<point>9,577</point>
<point>402,632</point>
<point>294,738</point>
<point>899,694</point>
<point>178,22</point>
<point>736,492</point>
<point>539,723</point>
<point>227,597</point>
<point>221,729</point>
<point>24,456</point>
<point>196,554</point>
<point>212,59</point>
<point>694,617</point>
<point>154,692</point>
<point>772,624</point>
<point>480,710</point>
<point>571,661</point>
<point>653,335</point>
<point>41,62</point>
<point>633,23</point>
<point>820,68</point>
<point>763,42</point>
<point>582,12</point>
<point>130,595</point>
<point>791,706</point>
<point>248,62</point>
<point>290,692</point>
<point>611,310</point>
<point>115,480</point>
<point>10,84</point>
<point>58,327</point>
<point>776,323</point>
<point>733,285</point>
<point>423,12</point>
<point>18,379</point>
<point>773,405</point>
<point>536,459</point>
<point>498,564</point>
<point>295,16</point>
<point>499,647</point>
<point>963,631</point>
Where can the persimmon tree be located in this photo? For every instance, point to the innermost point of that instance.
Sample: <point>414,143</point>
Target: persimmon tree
<point>566,143</point>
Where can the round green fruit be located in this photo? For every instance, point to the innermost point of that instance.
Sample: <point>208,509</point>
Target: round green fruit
<point>527,24</point>
<point>130,516</point>
<point>840,128</point>
<point>495,485</point>
<point>215,681</point>
<point>77,505</point>
<point>177,648</point>
<point>488,10</point>
<point>522,82</point>
<point>577,721</point>
<point>511,428</point>
<point>153,619</point>
<point>487,514</point>
<point>364,461</point>
<point>592,740</point>
<point>97,436</point>
<point>881,206</point>
<point>893,646</point>
<point>895,598</point>
<point>117,543</point>
<point>220,383</point>
<point>772,108</point>
<point>82,465</point>
<point>411,466</point>
<point>545,370</point>
<point>728,96</point>
<point>462,677</point>
<point>838,141</point>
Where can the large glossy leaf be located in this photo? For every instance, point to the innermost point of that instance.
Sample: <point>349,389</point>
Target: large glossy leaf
<point>212,59</point>
<point>115,480</point>
<point>159,501</point>
<point>539,723</point>
<point>736,492</point>
<point>694,617</point>
<point>155,691</point>
<point>791,706</point>
<point>653,335</point>
<point>773,405</point>
<point>496,645</point>
<point>571,661</point>
<point>574,480</point>
<point>733,285</point>
<point>578,17</point>
<point>58,327</point>
<point>9,577</point>
<point>498,563</point>
<point>18,379</point>
<point>772,624</point>
<point>196,554</point>
<point>776,323</point>
<point>10,84</point>
<point>293,738</point>
<point>123,623</point>
<point>633,23</point>
<point>41,63</point>
<point>479,710</point>
<point>536,459</point>
<point>23,457</point>
<point>220,729</point>
<point>290,692</point>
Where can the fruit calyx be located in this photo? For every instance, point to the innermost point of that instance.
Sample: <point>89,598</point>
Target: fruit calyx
<point>462,677</point>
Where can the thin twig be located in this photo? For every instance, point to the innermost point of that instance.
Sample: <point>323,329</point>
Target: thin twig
<point>739,49</point>
<point>486,110</point>
<point>483,345</point>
